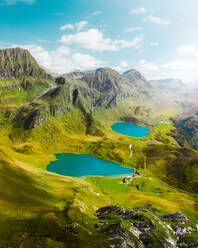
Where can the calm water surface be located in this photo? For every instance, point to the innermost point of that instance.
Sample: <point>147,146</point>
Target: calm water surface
<point>130,129</point>
<point>78,165</point>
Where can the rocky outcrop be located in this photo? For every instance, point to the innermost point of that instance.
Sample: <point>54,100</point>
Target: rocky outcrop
<point>173,217</point>
<point>110,85</point>
<point>17,62</point>
<point>141,223</point>
<point>60,80</point>
<point>146,229</point>
<point>138,80</point>
<point>30,116</point>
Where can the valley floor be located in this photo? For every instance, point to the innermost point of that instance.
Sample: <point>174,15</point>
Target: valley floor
<point>41,209</point>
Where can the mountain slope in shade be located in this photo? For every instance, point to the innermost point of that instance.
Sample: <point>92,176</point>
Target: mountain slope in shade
<point>186,132</point>
<point>17,62</point>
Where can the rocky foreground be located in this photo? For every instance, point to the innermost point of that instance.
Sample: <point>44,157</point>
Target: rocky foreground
<point>129,227</point>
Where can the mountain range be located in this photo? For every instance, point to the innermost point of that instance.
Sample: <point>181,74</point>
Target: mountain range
<point>42,114</point>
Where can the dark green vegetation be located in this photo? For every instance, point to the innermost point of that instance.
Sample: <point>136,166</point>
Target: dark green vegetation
<point>41,116</point>
<point>186,130</point>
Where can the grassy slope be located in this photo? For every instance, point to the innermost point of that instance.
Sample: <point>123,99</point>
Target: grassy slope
<point>35,197</point>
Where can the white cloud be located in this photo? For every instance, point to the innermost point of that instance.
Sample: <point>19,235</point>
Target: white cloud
<point>186,50</point>
<point>183,70</point>
<point>12,2</point>
<point>139,10</point>
<point>43,41</point>
<point>63,50</point>
<point>146,67</point>
<point>61,60</point>
<point>98,12</point>
<point>67,26</point>
<point>94,40</point>
<point>132,29</point>
<point>123,66</point>
<point>85,61</point>
<point>157,20</point>
<point>136,42</point>
<point>178,65</point>
<point>79,26</point>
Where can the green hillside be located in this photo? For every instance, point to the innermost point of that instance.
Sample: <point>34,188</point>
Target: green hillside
<point>40,117</point>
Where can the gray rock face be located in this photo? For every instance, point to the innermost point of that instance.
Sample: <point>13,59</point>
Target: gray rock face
<point>17,62</point>
<point>140,221</point>
<point>147,227</point>
<point>138,80</point>
<point>134,75</point>
<point>173,217</point>
<point>111,85</point>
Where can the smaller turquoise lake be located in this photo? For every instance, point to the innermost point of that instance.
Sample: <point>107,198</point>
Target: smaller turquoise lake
<point>79,165</point>
<point>130,129</point>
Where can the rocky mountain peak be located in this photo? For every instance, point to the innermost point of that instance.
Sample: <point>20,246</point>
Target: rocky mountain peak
<point>134,75</point>
<point>17,62</point>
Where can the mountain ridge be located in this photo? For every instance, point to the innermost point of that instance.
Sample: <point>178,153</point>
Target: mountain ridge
<point>73,113</point>
<point>17,62</point>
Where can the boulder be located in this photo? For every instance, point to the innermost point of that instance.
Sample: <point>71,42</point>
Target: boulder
<point>60,80</point>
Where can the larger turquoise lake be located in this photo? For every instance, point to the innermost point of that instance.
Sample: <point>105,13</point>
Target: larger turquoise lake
<point>79,165</point>
<point>130,129</point>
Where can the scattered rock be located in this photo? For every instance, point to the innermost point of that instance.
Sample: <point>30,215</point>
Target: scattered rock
<point>173,217</point>
<point>148,204</point>
<point>96,226</point>
<point>180,231</point>
<point>155,210</point>
<point>137,187</point>
<point>147,239</point>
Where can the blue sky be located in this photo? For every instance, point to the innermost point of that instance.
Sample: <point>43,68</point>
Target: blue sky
<point>158,38</point>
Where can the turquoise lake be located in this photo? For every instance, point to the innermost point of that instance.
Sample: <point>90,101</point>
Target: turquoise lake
<point>130,129</point>
<point>79,165</point>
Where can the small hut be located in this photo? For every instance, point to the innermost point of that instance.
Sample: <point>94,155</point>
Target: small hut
<point>125,180</point>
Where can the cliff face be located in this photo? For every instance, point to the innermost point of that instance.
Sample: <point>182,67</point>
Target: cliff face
<point>17,62</point>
